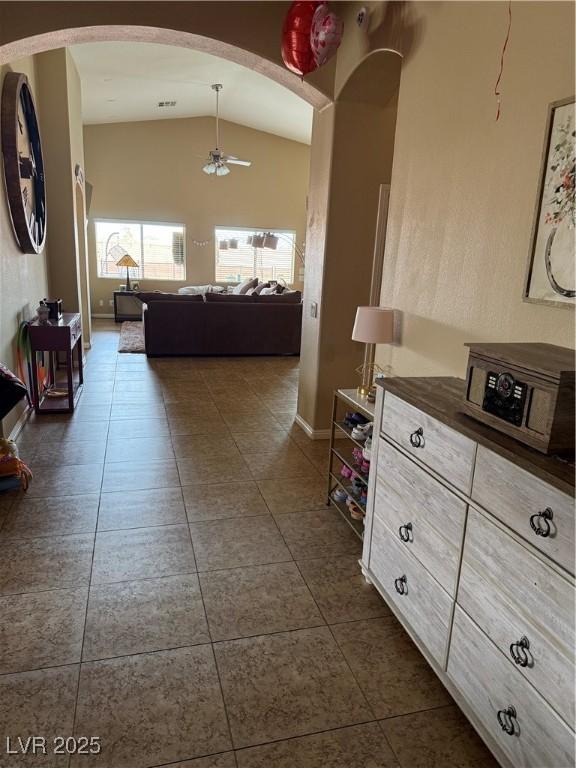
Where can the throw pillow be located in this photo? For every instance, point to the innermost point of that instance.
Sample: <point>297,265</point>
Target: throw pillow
<point>268,291</point>
<point>260,287</point>
<point>194,289</point>
<point>245,286</point>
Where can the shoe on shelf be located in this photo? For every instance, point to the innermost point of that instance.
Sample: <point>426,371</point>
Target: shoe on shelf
<point>357,486</point>
<point>356,513</point>
<point>364,497</point>
<point>358,434</point>
<point>365,467</point>
<point>339,495</point>
<point>367,450</point>
<point>346,471</point>
<point>362,431</point>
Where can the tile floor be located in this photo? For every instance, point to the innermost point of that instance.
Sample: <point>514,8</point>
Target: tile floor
<point>174,584</point>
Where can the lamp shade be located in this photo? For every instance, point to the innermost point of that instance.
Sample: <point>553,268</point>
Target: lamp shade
<point>374,325</point>
<point>270,241</point>
<point>257,241</point>
<point>126,261</point>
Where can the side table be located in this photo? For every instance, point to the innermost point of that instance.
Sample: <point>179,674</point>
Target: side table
<point>64,336</point>
<point>126,306</point>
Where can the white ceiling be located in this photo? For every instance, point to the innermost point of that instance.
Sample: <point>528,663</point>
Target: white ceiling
<point>123,82</point>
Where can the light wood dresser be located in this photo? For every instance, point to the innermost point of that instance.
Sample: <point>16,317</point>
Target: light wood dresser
<point>470,539</point>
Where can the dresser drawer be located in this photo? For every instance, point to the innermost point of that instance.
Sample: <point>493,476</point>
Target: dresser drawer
<point>422,514</point>
<point>426,606</point>
<point>443,449</point>
<point>491,684</point>
<point>518,498</point>
<point>512,594</point>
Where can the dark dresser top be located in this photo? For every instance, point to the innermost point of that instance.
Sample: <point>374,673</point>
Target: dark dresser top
<point>442,398</point>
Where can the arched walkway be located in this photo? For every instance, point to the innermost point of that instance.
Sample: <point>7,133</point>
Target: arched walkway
<point>233,43</point>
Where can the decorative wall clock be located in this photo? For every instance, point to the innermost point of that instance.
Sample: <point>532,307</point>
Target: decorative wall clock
<point>23,163</point>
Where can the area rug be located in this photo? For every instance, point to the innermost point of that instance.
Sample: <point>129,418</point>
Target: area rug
<point>132,337</point>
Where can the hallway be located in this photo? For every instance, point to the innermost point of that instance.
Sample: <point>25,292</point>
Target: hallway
<point>174,584</point>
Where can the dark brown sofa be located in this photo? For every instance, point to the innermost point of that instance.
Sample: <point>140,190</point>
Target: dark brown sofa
<point>194,326</point>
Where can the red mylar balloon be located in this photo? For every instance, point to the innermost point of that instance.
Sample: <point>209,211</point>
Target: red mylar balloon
<point>296,50</point>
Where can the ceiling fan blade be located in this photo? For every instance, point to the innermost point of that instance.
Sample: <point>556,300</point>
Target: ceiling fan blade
<point>236,161</point>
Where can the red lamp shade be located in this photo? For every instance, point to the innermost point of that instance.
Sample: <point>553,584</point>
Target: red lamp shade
<point>296,49</point>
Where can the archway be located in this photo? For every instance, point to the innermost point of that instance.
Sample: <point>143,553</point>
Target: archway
<point>343,218</point>
<point>316,89</point>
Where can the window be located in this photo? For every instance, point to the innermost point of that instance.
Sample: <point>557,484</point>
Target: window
<point>233,265</point>
<point>158,249</point>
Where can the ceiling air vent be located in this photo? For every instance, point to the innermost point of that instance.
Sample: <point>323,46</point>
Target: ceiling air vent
<point>166,103</point>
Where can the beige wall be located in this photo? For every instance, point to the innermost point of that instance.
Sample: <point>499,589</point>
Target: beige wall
<point>23,277</point>
<point>152,171</point>
<point>464,186</point>
<point>359,131</point>
<point>60,108</point>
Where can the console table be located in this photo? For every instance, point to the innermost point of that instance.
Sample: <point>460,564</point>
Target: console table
<point>57,336</point>
<point>469,538</point>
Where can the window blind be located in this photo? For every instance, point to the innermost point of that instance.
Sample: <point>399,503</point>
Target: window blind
<point>241,263</point>
<point>159,249</point>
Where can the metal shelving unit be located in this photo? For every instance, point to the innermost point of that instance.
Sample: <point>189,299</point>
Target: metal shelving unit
<point>341,445</point>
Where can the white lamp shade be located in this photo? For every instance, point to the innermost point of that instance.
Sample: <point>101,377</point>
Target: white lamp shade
<point>374,325</point>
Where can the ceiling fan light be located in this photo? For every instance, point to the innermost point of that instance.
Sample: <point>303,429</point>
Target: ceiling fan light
<point>209,168</point>
<point>270,241</point>
<point>222,170</point>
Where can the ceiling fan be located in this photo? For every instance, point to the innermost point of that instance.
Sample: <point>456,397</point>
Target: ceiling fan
<point>217,161</point>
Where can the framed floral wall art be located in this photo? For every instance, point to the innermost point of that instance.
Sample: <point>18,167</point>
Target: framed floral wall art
<point>551,275</point>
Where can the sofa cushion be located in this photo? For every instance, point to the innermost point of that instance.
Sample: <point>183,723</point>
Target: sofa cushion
<point>148,296</point>
<point>242,288</point>
<point>288,297</point>
<point>242,298</point>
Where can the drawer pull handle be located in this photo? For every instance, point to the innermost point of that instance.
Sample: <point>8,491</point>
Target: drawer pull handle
<point>405,531</point>
<point>518,651</point>
<point>506,718</point>
<point>540,522</point>
<point>401,586</point>
<point>417,438</point>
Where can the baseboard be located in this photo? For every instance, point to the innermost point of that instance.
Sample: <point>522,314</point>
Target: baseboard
<point>103,317</point>
<point>313,434</point>
<point>19,426</point>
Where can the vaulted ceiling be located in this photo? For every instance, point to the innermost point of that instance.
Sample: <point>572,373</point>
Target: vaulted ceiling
<point>124,82</point>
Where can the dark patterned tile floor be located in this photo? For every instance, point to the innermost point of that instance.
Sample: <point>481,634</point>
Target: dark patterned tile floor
<point>174,583</point>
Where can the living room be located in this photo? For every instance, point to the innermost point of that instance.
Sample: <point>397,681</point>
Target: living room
<point>355,547</point>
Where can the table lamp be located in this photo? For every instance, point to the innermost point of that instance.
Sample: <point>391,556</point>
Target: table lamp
<point>127,261</point>
<point>373,325</point>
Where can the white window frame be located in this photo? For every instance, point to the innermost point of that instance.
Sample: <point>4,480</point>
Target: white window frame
<point>141,223</point>
<point>256,230</point>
